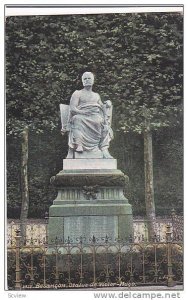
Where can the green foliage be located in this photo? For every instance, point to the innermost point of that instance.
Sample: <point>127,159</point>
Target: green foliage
<point>168,175</point>
<point>154,73</point>
<point>47,150</point>
<point>13,175</point>
<point>137,60</point>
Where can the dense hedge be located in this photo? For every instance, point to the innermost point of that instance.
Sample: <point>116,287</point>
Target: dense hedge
<point>137,60</point>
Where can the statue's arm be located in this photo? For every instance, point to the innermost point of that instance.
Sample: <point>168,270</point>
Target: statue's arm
<point>74,101</point>
<point>102,107</point>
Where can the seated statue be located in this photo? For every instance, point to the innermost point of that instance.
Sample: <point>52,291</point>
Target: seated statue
<point>88,122</point>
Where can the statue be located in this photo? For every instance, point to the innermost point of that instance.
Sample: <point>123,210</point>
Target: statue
<point>88,122</point>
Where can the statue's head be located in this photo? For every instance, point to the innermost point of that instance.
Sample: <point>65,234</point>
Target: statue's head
<point>88,79</point>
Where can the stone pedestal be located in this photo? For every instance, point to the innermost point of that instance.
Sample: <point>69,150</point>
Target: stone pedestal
<point>90,201</point>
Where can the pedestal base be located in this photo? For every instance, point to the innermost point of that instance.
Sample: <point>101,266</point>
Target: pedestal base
<point>90,203</point>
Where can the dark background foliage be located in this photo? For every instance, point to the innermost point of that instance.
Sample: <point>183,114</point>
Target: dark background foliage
<point>137,62</point>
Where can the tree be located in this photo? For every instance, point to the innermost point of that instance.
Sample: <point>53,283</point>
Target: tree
<point>24,183</point>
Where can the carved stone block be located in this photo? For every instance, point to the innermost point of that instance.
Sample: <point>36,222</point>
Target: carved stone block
<point>90,203</point>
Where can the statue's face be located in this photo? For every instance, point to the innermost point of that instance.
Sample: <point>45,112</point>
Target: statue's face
<point>87,79</point>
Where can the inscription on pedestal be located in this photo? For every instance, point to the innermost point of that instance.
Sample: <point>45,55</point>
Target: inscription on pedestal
<point>90,203</point>
<point>87,226</point>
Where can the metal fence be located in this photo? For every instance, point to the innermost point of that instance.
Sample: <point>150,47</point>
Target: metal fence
<point>97,263</point>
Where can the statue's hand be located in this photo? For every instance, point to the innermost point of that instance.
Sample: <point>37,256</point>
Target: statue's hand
<point>86,113</point>
<point>89,111</point>
<point>63,131</point>
<point>108,103</point>
<point>105,128</point>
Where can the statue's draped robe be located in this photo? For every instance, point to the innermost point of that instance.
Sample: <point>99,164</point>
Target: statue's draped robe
<point>88,128</point>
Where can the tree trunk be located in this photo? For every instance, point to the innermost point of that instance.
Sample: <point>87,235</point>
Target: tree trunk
<point>24,184</point>
<point>149,190</point>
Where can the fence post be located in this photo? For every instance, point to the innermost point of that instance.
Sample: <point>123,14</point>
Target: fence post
<point>46,226</point>
<point>173,217</point>
<point>94,259</point>
<point>170,281</point>
<point>18,273</point>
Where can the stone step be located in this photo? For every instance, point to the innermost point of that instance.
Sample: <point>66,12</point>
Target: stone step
<point>90,164</point>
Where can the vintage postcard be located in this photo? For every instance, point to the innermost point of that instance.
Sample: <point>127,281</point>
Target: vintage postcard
<point>94,202</point>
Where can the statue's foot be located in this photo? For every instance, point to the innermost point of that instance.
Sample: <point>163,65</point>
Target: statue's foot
<point>106,154</point>
<point>79,149</point>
